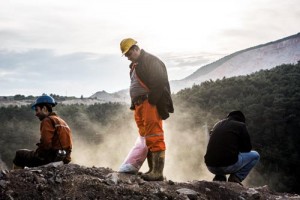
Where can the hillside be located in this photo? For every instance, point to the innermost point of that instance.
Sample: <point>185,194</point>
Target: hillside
<point>270,101</point>
<point>120,96</point>
<point>57,181</point>
<point>247,61</point>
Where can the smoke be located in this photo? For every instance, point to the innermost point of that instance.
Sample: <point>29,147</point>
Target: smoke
<point>107,143</point>
<point>109,147</point>
<point>185,151</point>
<point>3,166</point>
<point>185,144</point>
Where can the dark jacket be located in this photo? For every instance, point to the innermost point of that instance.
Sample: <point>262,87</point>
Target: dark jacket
<point>153,73</point>
<point>228,138</point>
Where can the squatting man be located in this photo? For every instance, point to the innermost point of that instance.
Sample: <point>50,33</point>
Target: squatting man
<point>229,149</point>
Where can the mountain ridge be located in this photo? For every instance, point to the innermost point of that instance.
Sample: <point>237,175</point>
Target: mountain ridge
<point>246,61</point>
<point>225,58</point>
<point>120,96</point>
<point>243,62</point>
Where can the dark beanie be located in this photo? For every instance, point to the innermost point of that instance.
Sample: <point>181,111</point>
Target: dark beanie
<point>237,115</point>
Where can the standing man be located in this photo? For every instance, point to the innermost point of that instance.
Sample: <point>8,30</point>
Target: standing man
<point>229,149</point>
<point>151,101</point>
<point>55,141</point>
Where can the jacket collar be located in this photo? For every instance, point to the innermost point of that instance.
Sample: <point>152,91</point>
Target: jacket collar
<point>52,114</point>
<point>133,64</point>
<point>142,54</point>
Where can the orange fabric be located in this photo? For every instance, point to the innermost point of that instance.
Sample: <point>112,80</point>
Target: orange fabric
<point>48,140</point>
<point>150,126</point>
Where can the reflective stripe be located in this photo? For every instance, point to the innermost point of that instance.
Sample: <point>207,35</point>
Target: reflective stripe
<point>56,125</point>
<point>153,135</point>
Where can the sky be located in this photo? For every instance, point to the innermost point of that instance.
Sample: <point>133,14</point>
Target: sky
<point>71,47</point>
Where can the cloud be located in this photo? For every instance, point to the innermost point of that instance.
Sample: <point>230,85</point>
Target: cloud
<point>82,73</point>
<point>258,23</point>
<point>51,38</point>
<point>190,59</point>
<point>42,70</point>
<point>180,65</point>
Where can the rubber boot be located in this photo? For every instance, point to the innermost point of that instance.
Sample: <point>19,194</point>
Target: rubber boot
<point>158,162</point>
<point>233,178</point>
<point>149,160</point>
<point>220,178</point>
<point>17,167</point>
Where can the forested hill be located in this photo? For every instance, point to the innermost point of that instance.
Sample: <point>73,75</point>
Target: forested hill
<point>103,134</point>
<point>270,100</point>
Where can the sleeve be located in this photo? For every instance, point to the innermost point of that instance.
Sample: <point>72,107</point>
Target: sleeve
<point>245,143</point>
<point>47,133</point>
<point>157,77</point>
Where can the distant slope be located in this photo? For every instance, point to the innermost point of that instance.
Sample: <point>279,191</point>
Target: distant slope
<point>270,101</point>
<point>247,61</point>
<point>120,96</point>
<point>2,165</point>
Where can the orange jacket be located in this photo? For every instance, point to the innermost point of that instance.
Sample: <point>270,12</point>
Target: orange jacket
<point>53,141</point>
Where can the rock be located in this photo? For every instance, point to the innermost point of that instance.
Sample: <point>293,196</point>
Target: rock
<point>54,164</point>
<point>78,182</point>
<point>58,179</point>
<point>39,179</point>
<point>182,197</point>
<point>36,170</point>
<point>3,183</point>
<point>8,194</point>
<point>191,194</point>
<point>251,193</point>
<point>4,172</point>
<point>112,179</point>
<point>140,181</point>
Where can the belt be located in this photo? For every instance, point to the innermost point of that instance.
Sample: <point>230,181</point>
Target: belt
<point>139,99</point>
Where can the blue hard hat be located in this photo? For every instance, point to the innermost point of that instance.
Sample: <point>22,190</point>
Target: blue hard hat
<point>44,99</point>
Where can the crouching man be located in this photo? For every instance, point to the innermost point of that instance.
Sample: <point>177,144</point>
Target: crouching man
<point>55,141</point>
<point>229,149</point>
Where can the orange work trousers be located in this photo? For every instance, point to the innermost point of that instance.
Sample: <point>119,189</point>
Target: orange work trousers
<point>149,124</point>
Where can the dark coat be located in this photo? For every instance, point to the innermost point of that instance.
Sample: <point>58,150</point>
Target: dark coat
<point>153,73</point>
<point>228,138</point>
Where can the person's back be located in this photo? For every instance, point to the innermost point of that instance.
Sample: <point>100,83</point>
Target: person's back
<point>228,138</point>
<point>229,149</point>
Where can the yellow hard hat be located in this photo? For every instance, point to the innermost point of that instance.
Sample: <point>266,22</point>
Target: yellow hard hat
<point>126,44</point>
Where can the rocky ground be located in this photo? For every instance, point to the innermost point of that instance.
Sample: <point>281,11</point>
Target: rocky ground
<point>58,181</point>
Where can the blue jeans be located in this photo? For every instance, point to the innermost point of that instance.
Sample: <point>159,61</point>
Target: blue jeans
<point>246,161</point>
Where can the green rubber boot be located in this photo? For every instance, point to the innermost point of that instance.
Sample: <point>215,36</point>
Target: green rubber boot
<point>149,160</point>
<point>158,162</point>
<point>17,167</point>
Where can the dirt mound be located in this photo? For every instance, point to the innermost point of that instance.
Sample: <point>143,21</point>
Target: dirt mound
<point>58,181</point>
